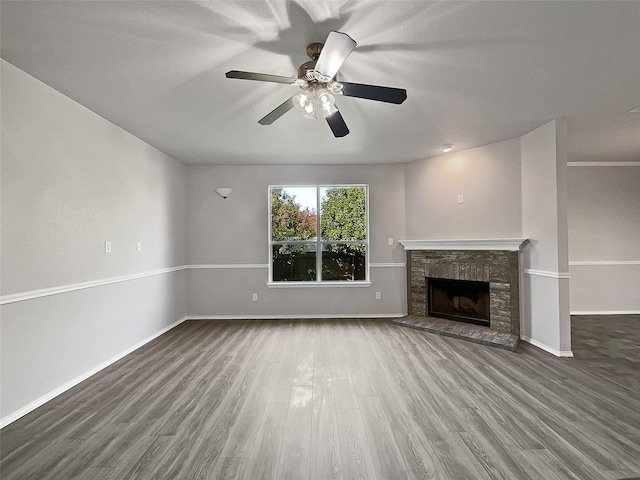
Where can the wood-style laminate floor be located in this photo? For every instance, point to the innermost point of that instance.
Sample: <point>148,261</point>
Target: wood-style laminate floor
<point>343,399</point>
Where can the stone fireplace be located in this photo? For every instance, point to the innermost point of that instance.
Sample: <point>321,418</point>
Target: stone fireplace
<point>472,281</point>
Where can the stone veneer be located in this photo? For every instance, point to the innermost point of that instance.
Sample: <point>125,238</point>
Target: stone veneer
<point>498,267</point>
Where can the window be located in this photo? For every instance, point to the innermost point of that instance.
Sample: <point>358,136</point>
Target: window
<point>338,254</point>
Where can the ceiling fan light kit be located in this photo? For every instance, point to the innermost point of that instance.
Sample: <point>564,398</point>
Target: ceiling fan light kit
<point>316,100</point>
<point>317,79</point>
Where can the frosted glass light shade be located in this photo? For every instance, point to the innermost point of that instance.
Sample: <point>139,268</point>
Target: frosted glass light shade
<point>224,192</point>
<point>315,102</point>
<point>306,103</point>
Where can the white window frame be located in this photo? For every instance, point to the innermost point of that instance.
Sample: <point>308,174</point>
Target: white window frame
<point>318,282</point>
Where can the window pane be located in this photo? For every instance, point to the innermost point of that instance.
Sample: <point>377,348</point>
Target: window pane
<point>343,262</point>
<point>343,213</point>
<point>293,213</point>
<point>294,263</point>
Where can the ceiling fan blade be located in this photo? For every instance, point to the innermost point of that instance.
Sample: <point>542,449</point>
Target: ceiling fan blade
<point>374,92</point>
<point>277,112</point>
<point>336,49</point>
<point>337,124</point>
<point>261,77</point>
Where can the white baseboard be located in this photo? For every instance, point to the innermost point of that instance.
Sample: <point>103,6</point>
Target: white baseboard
<point>546,348</point>
<point>12,417</point>
<point>606,312</point>
<point>303,316</point>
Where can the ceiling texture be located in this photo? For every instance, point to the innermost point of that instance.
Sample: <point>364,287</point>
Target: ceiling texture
<point>475,73</point>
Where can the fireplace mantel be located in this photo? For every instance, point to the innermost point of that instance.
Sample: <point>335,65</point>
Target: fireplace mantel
<point>506,244</point>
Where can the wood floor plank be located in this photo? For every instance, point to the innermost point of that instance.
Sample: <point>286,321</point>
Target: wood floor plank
<point>303,376</point>
<point>295,454</point>
<point>286,369</point>
<point>386,455</point>
<point>322,354</point>
<point>354,447</point>
<point>95,473</point>
<point>415,447</point>
<point>325,442</point>
<point>263,464</point>
<point>546,466</point>
<point>144,467</point>
<point>48,464</point>
<point>351,399</point>
<point>359,368</point>
<point>244,431</point>
<point>230,468</point>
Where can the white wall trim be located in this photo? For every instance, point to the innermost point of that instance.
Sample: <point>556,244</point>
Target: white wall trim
<point>12,417</point>
<point>603,262</point>
<point>603,164</point>
<point>606,312</point>
<point>545,273</point>
<point>229,265</point>
<point>302,316</point>
<point>316,284</point>
<point>45,292</point>
<point>546,348</point>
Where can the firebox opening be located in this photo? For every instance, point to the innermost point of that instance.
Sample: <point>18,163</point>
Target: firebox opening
<point>461,300</point>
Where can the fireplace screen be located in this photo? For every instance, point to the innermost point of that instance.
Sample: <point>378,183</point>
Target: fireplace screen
<point>460,300</point>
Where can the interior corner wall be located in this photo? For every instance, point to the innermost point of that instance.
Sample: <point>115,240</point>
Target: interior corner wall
<point>487,177</point>
<point>229,252</point>
<point>545,282</point>
<point>604,237</point>
<point>71,180</point>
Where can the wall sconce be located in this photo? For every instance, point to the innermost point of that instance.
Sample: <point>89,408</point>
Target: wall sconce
<point>224,192</point>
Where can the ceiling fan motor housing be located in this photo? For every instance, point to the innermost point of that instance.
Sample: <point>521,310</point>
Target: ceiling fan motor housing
<point>305,71</point>
<point>314,49</point>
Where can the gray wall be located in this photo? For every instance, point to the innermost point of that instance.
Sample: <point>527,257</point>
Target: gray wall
<point>227,235</point>
<point>71,181</point>
<point>604,238</point>
<point>488,177</point>
<point>545,306</point>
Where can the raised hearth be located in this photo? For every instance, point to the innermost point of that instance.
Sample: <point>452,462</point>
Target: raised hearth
<point>492,262</point>
<point>463,331</point>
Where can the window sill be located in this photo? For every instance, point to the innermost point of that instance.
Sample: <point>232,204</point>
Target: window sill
<point>317,284</point>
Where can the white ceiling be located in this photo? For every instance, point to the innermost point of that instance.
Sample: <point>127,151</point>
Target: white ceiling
<point>475,73</point>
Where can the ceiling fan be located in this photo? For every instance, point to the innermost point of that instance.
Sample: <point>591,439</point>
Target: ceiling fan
<point>317,79</point>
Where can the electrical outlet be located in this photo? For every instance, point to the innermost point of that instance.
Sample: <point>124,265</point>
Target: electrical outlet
<point>390,241</point>
<point>378,296</point>
<point>255,297</point>
<point>139,247</point>
<point>461,198</point>
<point>107,247</point>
